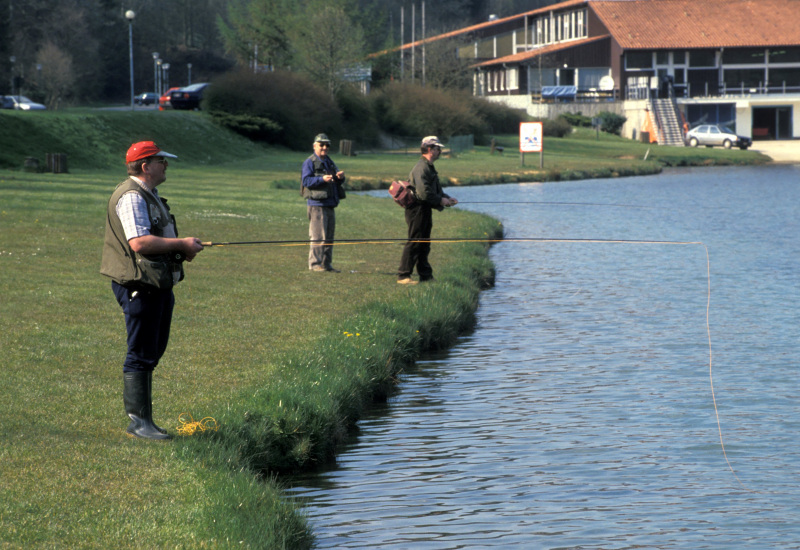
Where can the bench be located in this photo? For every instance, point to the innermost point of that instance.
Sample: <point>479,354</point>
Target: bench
<point>761,133</point>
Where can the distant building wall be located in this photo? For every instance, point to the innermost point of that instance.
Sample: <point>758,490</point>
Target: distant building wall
<point>552,110</point>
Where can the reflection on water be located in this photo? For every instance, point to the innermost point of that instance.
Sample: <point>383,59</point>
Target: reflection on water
<point>578,414</point>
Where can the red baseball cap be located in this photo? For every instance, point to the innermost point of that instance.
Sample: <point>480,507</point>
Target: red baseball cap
<point>144,149</point>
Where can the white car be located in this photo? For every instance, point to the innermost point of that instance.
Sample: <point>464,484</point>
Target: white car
<point>21,103</point>
<point>712,134</point>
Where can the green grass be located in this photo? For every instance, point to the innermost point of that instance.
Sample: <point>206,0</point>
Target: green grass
<point>258,343</point>
<point>99,139</point>
<point>284,359</point>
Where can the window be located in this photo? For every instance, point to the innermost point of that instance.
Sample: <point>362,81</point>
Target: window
<point>590,77</point>
<point>512,77</point>
<point>662,58</point>
<point>702,58</point>
<point>742,56</point>
<point>638,60</point>
<point>777,77</point>
<point>784,55</point>
<point>747,78</point>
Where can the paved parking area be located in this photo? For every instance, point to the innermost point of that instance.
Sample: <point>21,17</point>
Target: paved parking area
<point>784,152</point>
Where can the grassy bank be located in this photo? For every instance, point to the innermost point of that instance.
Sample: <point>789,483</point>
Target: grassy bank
<point>98,139</point>
<point>283,359</point>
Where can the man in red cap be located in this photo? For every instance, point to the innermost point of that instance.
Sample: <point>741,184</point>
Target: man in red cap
<point>143,256</point>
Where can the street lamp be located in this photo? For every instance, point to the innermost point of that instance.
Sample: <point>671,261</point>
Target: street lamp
<point>189,67</point>
<point>159,61</point>
<point>13,60</point>
<point>165,66</point>
<point>129,15</point>
<point>155,76</point>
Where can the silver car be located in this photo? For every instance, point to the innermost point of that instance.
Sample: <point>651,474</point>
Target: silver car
<point>21,103</point>
<point>712,134</point>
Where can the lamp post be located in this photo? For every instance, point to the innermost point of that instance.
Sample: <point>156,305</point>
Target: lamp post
<point>13,60</point>
<point>129,15</point>
<point>165,66</point>
<point>155,77</point>
<point>189,68</point>
<point>160,90</point>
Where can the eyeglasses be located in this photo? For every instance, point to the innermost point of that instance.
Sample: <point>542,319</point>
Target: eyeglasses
<point>324,144</point>
<point>161,160</point>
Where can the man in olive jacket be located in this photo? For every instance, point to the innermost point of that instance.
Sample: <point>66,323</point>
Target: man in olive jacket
<point>419,216</point>
<point>143,256</point>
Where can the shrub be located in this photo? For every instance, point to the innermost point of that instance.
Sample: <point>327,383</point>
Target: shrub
<point>611,122</point>
<point>577,119</point>
<point>269,107</point>
<point>500,118</point>
<point>556,128</point>
<point>411,110</point>
<point>359,124</point>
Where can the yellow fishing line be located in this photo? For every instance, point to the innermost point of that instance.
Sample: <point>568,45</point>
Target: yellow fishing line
<point>546,240</point>
<point>189,426</point>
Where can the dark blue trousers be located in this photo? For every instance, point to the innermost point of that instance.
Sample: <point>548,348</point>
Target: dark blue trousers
<point>148,317</point>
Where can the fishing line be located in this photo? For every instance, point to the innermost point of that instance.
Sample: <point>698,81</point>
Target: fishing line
<point>345,242</point>
<point>547,203</point>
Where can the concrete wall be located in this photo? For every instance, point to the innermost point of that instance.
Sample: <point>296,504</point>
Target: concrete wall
<point>636,111</point>
<point>552,110</point>
<point>629,109</point>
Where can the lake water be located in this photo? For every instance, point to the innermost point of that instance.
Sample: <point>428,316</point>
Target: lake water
<point>579,413</point>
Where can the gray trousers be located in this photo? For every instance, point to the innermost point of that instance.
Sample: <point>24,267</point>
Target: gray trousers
<point>321,227</point>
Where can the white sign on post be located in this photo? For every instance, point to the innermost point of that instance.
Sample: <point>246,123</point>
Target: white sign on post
<point>530,137</point>
<point>530,141</point>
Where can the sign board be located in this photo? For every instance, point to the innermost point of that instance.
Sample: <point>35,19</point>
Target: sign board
<point>530,137</point>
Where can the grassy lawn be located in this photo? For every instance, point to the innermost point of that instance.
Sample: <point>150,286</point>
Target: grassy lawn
<point>285,360</point>
<point>246,319</point>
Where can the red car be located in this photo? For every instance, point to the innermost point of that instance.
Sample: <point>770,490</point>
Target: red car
<point>163,101</point>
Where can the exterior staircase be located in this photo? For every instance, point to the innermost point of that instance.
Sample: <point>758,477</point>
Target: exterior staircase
<point>665,112</point>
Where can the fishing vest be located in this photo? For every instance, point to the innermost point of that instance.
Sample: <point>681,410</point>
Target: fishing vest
<point>322,193</point>
<point>130,268</point>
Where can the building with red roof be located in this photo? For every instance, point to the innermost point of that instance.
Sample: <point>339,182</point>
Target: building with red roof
<point>732,62</point>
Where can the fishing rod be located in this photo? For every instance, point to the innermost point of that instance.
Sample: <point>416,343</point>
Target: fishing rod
<point>441,240</point>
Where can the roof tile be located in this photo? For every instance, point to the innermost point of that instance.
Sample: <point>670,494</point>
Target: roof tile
<point>655,24</point>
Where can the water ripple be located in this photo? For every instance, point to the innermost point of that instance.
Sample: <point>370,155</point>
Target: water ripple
<point>578,414</point>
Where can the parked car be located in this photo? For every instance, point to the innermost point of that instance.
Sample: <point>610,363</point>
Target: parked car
<point>147,98</point>
<point>164,100</point>
<point>712,134</point>
<point>188,97</point>
<point>21,103</point>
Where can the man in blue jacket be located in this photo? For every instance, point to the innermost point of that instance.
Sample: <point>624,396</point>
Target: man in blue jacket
<point>322,185</point>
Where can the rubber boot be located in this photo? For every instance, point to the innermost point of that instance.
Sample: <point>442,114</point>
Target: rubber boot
<point>150,399</point>
<point>138,404</point>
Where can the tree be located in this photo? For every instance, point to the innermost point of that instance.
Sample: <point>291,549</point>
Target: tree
<point>444,68</point>
<point>57,74</point>
<point>257,31</point>
<point>327,42</point>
